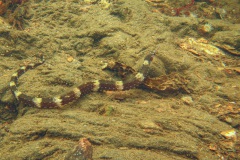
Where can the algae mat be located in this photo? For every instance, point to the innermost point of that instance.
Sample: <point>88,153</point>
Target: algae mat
<point>77,38</point>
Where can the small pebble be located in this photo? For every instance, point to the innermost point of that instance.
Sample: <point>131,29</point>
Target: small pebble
<point>187,99</point>
<point>228,120</point>
<point>148,124</point>
<point>230,134</point>
<point>70,59</point>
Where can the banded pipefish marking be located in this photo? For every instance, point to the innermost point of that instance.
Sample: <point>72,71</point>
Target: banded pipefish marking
<point>92,86</point>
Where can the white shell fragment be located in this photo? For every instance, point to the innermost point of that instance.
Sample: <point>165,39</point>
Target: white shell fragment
<point>230,134</point>
<point>200,47</point>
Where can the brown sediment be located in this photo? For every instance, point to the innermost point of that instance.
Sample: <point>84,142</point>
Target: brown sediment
<point>14,11</point>
<point>82,151</point>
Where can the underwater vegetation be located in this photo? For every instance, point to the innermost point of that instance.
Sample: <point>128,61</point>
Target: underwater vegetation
<point>210,9</point>
<point>14,11</point>
<point>178,10</point>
